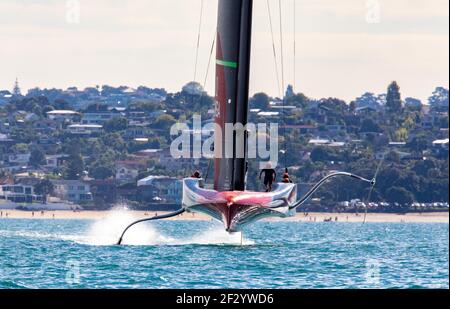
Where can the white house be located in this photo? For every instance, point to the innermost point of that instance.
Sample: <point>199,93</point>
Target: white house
<point>19,193</point>
<point>20,158</point>
<point>72,190</point>
<point>84,129</point>
<point>128,171</point>
<point>63,115</point>
<point>100,117</point>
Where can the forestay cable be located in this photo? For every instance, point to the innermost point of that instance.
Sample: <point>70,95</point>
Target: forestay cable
<point>273,47</point>
<point>198,39</point>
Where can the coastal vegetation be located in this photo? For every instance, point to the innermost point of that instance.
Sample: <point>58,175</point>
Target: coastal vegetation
<point>404,141</point>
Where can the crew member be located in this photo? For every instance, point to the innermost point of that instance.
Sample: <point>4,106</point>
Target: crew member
<point>269,177</point>
<point>196,175</point>
<point>286,177</point>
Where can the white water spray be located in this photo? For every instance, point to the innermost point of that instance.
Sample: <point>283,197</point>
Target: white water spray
<point>107,231</point>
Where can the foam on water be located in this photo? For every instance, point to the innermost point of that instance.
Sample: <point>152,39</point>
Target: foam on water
<point>217,236</point>
<point>107,231</point>
<point>194,254</point>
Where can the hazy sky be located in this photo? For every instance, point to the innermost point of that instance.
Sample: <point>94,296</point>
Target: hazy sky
<point>344,47</point>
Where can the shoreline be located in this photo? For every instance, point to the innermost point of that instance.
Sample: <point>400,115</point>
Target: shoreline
<point>434,217</point>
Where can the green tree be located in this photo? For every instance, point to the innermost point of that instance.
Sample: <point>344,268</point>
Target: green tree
<point>75,163</point>
<point>392,156</point>
<point>164,122</point>
<point>319,154</point>
<point>75,167</point>
<point>37,157</point>
<point>116,124</point>
<point>422,167</point>
<point>19,148</point>
<point>104,166</point>
<point>400,195</point>
<point>260,101</point>
<point>44,187</point>
<point>418,143</point>
<point>369,126</point>
<point>394,98</point>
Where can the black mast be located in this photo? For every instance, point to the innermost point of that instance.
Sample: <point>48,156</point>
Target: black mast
<point>232,87</point>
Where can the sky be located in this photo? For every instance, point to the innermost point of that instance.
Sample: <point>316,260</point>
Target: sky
<point>343,48</point>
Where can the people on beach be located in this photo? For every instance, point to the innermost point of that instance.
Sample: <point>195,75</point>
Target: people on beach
<point>270,176</point>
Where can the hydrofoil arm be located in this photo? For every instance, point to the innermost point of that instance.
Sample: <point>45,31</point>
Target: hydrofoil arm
<point>321,182</point>
<point>167,216</point>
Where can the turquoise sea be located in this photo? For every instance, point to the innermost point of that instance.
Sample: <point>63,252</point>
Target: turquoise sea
<point>191,254</point>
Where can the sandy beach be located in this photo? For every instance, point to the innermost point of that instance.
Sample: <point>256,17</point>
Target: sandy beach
<point>439,217</point>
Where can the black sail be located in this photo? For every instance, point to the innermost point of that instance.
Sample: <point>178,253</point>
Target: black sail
<point>232,87</point>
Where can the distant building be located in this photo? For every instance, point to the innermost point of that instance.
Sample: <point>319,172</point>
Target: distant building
<point>302,129</point>
<point>5,143</point>
<point>103,191</point>
<point>268,114</point>
<point>64,116</point>
<point>55,161</point>
<point>365,110</point>
<point>326,143</point>
<point>84,129</point>
<point>100,117</point>
<point>149,154</point>
<point>47,126</point>
<point>72,190</point>
<point>19,193</point>
<point>160,189</point>
<point>136,131</point>
<point>5,97</point>
<point>20,158</point>
<point>128,171</point>
<point>440,145</point>
<point>413,103</point>
<point>371,100</point>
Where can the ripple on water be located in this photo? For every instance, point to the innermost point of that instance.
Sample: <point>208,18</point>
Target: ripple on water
<point>179,254</point>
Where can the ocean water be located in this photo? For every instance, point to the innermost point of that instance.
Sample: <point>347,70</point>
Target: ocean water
<point>191,254</point>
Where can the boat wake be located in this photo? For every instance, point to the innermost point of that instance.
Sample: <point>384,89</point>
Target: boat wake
<point>107,231</point>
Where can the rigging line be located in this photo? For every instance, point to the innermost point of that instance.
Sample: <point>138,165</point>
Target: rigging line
<point>198,39</point>
<point>282,50</point>
<point>210,58</point>
<point>273,47</point>
<point>369,197</point>
<point>282,86</point>
<point>295,46</point>
<point>204,87</point>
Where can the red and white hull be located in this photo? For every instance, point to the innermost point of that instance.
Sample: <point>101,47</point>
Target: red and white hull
<point>236,209</point>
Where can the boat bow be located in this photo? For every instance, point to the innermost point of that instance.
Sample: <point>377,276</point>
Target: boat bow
<point>236,209</point>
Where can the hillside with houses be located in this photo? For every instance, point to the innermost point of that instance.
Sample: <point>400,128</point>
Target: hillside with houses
<point>97,147</point>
